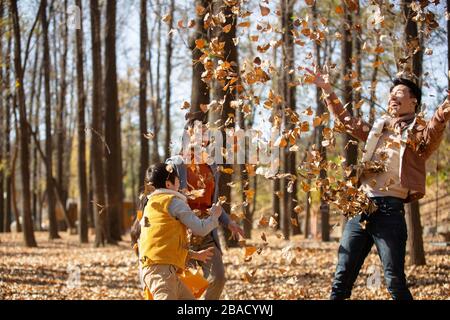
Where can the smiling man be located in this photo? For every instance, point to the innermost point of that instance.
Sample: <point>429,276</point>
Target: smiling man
<point>402,142</point>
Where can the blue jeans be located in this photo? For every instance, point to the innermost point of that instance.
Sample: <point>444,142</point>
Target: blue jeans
<point>386,228</point>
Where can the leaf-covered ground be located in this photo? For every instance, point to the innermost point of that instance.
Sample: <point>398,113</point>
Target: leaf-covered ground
<point>295,269</point>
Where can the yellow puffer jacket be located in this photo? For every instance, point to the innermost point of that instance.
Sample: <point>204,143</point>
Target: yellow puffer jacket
<point>163,239</point>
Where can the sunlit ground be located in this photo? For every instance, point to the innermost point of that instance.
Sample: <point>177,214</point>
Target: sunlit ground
<point>64,269</point>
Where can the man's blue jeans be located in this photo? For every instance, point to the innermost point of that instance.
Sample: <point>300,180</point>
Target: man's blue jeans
<point>386,228</point>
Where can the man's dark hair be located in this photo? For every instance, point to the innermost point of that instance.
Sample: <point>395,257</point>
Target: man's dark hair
<point>413,89</point>
<point>159,173</point>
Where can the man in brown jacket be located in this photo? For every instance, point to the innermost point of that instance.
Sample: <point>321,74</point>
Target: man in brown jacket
<point>401,142</point>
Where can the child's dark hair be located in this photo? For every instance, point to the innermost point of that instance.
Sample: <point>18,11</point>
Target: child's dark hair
<point>159,173</point>
<point>155,177</point>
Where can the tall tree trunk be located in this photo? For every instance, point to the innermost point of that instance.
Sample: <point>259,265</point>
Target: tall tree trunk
<point>35,73</point>
<point>356,33</point>
<point>114,183</point>
<point>168,84</point>
<point>276,203</point>
<point>244,179</point>
<point>200,90</point>
<point>102,234</point>
<point>54,48</point>
<point>143,95</point>
<point>324,207</point>
<point>51,203</point>
<point>13,169</point>
<point>60,130</point>
<point>36,164</point>
<point>448,77</point>
<point>24,135</point>
<point>373,88</point>
<point>154,113</point>
<point>230,54</point>
<point>2,117</point>
<point>91,219</point>
<point>82,178</point>
<point>155,88</point>
<point>415,240</point>
<point>8,105</point>
<point>350,144</point>
<point>448,64</point>
<point>276,184</point>
<point>289,219</point>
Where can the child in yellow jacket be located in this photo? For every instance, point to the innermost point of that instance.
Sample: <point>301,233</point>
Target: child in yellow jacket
<point>163,243</point>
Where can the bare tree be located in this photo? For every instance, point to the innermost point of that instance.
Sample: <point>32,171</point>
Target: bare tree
<point>318,135</point>
<point>230,54</point>
<point>143,64</point>
<point>413,41</point>
<point>168,74</point>
<point>51,203</point>
<point>199,90</point>
<point>114,184</point>
<point>289,218</point>
<point>60,128</point>
<point>373,88</point>
<point>2,116</point>
<point>8,105</point>
<point>32,112</point>
<point>155,85</point>
<point>82,178</point>
<point>36,163</point>
<point>350,143</point>
<point>102,234</point>
<point>448,63</point>
<point>276,183</point>
<point>28,231</point>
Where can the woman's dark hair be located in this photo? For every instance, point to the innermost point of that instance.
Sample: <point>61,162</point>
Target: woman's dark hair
<point>413,89</point>
<point>159,173</point>
<point>193,117</point>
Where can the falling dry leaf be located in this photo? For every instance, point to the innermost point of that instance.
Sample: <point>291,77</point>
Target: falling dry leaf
<point>263,221</point>
<point>339,10</point>
<point>264,10</point>
<point>273,223</point>
<point>244,24</point>
<point>227,28</point>
<point>166,18</point>
<point>200,43</point>
<point>227,170</point>
<point>263,237</point>
<point>249,251</point>
<point>149,135</point>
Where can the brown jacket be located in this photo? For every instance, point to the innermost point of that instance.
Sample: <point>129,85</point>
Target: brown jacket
<point>423,139</point>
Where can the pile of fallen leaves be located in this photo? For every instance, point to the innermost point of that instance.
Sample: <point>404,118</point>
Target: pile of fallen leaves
<point>272,268</point>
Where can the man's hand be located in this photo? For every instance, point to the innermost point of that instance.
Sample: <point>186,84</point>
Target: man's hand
<point>446,106</point>
<point>321,80</point>
<point>235,230</point>
<point>202,255</point>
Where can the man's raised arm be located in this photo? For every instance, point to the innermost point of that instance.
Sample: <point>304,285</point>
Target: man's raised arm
<point>434,130</point>
<point>353,125</point>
